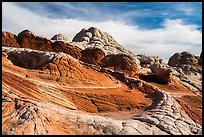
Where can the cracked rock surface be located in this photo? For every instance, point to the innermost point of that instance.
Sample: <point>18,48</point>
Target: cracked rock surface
<point>27,116</point>
<point>94,37</point>
<point>188,68</point>
<point>52,87</point>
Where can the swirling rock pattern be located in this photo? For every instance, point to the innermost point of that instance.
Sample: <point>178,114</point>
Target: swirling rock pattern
<point>54,87</point>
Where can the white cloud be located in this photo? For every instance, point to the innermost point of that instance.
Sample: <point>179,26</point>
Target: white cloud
<point>174,36</point>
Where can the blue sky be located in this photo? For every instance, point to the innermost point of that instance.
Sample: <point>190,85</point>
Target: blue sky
<point>145,14</point>
<point>146,23</point>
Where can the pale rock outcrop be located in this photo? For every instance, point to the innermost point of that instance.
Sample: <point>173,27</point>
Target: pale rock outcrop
<point>183,58</point>
<point>189,63</point>
<point>187,68</point>
<point>93,37</point>
<point>161,73</point>
<point>168,116</point>
<point>183,66</point>
<point>60,37</point>
<point>154,69</point>
<point>146,61</point>
<point>27,58</point>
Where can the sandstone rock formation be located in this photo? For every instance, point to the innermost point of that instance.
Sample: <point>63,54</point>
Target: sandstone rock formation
<point>146,61</point>
<point>152,68</point>
<point>9,40</point>
<point>160,74</point>
<point>60,37</point>
<point>42,44</point>
<point>120,63</point>
<point>183,59</point>
<point>92,55</point>
<point>60,46</point>
<point>29,59</point>
<point>93,37</point>
<point>64,69</point>
<point>28,39</point>
<point>183,66</point>
<point>169,117</point>
<point>58,88</point>
<point>187,68</point>
<point>32,117</point>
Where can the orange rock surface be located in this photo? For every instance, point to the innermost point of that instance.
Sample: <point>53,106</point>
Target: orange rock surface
<point>43,91</point>
<point>9,40</point>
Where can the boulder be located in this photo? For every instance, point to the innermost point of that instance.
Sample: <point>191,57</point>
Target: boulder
<point>179,59</point>
<point>189,63</point>
<point>9,40</point>
<point>160,72</point>
<point>189,59</point>
<point>188,68</point>
<point>30,59</point>
<point>146,61</point>
<point>92,55</point>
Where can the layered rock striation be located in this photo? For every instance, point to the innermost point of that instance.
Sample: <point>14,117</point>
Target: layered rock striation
<point>27,39</point>
<point>9,40</point>
<point>95,86</point>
